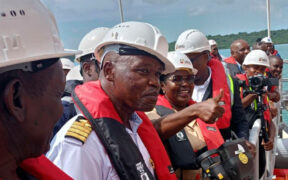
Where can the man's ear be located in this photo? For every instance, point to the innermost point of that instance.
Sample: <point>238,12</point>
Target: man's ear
<point>108,70</point>
<point>14,99</point>
<point>87,69</point>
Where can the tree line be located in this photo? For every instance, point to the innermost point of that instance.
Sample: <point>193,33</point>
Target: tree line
<point>224,41</point>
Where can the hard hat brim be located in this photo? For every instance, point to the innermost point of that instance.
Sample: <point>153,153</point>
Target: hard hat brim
<point>259,64</point>
<point>65,53</point>
<point>169,67</point>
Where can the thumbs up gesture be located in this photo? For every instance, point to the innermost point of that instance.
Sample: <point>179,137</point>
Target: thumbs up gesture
<point>211,109</point>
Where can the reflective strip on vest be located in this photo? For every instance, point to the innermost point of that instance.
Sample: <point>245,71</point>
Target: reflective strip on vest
<point>231,88</point>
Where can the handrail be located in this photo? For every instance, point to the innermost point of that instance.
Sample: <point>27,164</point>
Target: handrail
<point>254,139</point>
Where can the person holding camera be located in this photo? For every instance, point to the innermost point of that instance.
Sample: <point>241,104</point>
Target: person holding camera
<point>253,87</point>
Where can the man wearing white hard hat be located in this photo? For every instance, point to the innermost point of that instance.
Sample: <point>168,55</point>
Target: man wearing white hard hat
<point>88,70</point>
<point>186,135</point>
<point>115,142</point>
<point>214,50</point>
<point>255,64</point>
<point>270,46</point>
<point>211,80</point>
<point>90,66</point>
<point>32,82</point>
<point>67,65</point>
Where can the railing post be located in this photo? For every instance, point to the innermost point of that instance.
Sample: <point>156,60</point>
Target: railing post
<point>254,139</point>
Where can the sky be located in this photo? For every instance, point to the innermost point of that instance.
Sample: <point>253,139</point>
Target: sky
<point>75,18</point>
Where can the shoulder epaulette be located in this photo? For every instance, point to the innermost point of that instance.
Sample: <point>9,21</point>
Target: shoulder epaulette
<point>79,130</point>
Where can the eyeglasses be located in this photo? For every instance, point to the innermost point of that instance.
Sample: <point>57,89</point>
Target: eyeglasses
<point>179,79</point>
<point>196,57</point>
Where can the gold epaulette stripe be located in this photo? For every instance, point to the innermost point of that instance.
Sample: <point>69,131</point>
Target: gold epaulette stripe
<point>77,136</point>
<point>80,130</point>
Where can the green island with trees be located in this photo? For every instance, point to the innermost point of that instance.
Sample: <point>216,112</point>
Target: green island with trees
<point>224,41</point>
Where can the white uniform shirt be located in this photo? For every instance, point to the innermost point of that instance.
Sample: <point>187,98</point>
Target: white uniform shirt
<point>200,90</point>
<point>90,161</point>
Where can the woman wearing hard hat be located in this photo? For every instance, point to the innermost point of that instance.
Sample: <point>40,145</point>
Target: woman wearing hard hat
<point>195,138</point>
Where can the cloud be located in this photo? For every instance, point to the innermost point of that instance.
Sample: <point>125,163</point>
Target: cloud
<point>222,2</point>
<point>196,11</point>
<point>160,1</point>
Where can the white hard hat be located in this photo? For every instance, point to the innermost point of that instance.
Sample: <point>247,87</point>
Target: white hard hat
<point>192,41</point>
<point>212,42</point>
<point>139,35</point>
<point>257,57</point>
<point>28,33</point>
<point>74,74</point>
<point>90,41</point>
<point>66,63</point>
<point>266,40</point>
<point>181,61</point>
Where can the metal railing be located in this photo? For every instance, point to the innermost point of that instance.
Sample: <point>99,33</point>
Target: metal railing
<point>254,139</point>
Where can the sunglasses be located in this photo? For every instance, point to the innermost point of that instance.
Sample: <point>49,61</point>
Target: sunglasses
<point>180,79</point>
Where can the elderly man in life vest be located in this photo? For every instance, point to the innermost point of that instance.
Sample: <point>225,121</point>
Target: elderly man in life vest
<point>110,139</point>
<point>32,83</point>
<point>239,49</point>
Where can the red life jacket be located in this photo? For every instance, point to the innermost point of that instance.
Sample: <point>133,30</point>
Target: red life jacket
<point>230,60</point>
<point>43,169</point>
<point>214,57</point>
<point>99,105</point>
<point>275,52</point>
<point>267,115</point>
<point>219,81</point>
<point>213,138</point>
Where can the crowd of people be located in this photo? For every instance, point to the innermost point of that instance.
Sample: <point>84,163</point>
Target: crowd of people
<point>131,109</point>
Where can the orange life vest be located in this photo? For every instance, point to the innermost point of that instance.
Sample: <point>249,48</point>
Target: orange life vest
<point>43,169</point>
<point>230,60</point>
<point>100,107</point>
<point>219,81</point>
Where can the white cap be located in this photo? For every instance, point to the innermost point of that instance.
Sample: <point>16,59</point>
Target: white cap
<point>74,74</point>
<point>28,33</point>
<point>90,41</point>
<point>266,40</point>
<point>142,36</point>
<point>192,41</point>
<point>212,42</point>
<point>181,61</point>
<point>67,63</point>
<point>257,57</point>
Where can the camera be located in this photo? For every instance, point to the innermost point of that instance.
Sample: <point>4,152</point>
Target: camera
<point>259,81</point>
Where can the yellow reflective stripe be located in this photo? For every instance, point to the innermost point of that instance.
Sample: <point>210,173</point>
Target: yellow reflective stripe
<point>231,88</point>
<point>232,84</point>
<point>255,102</point>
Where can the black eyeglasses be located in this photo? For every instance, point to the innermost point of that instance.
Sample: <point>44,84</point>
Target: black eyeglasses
<point>177,79</point>
<point>196,57</point>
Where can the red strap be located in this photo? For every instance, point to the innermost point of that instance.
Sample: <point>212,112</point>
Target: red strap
<point>152,141</point>
<point>43,169</point>
<point>219,81</point>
